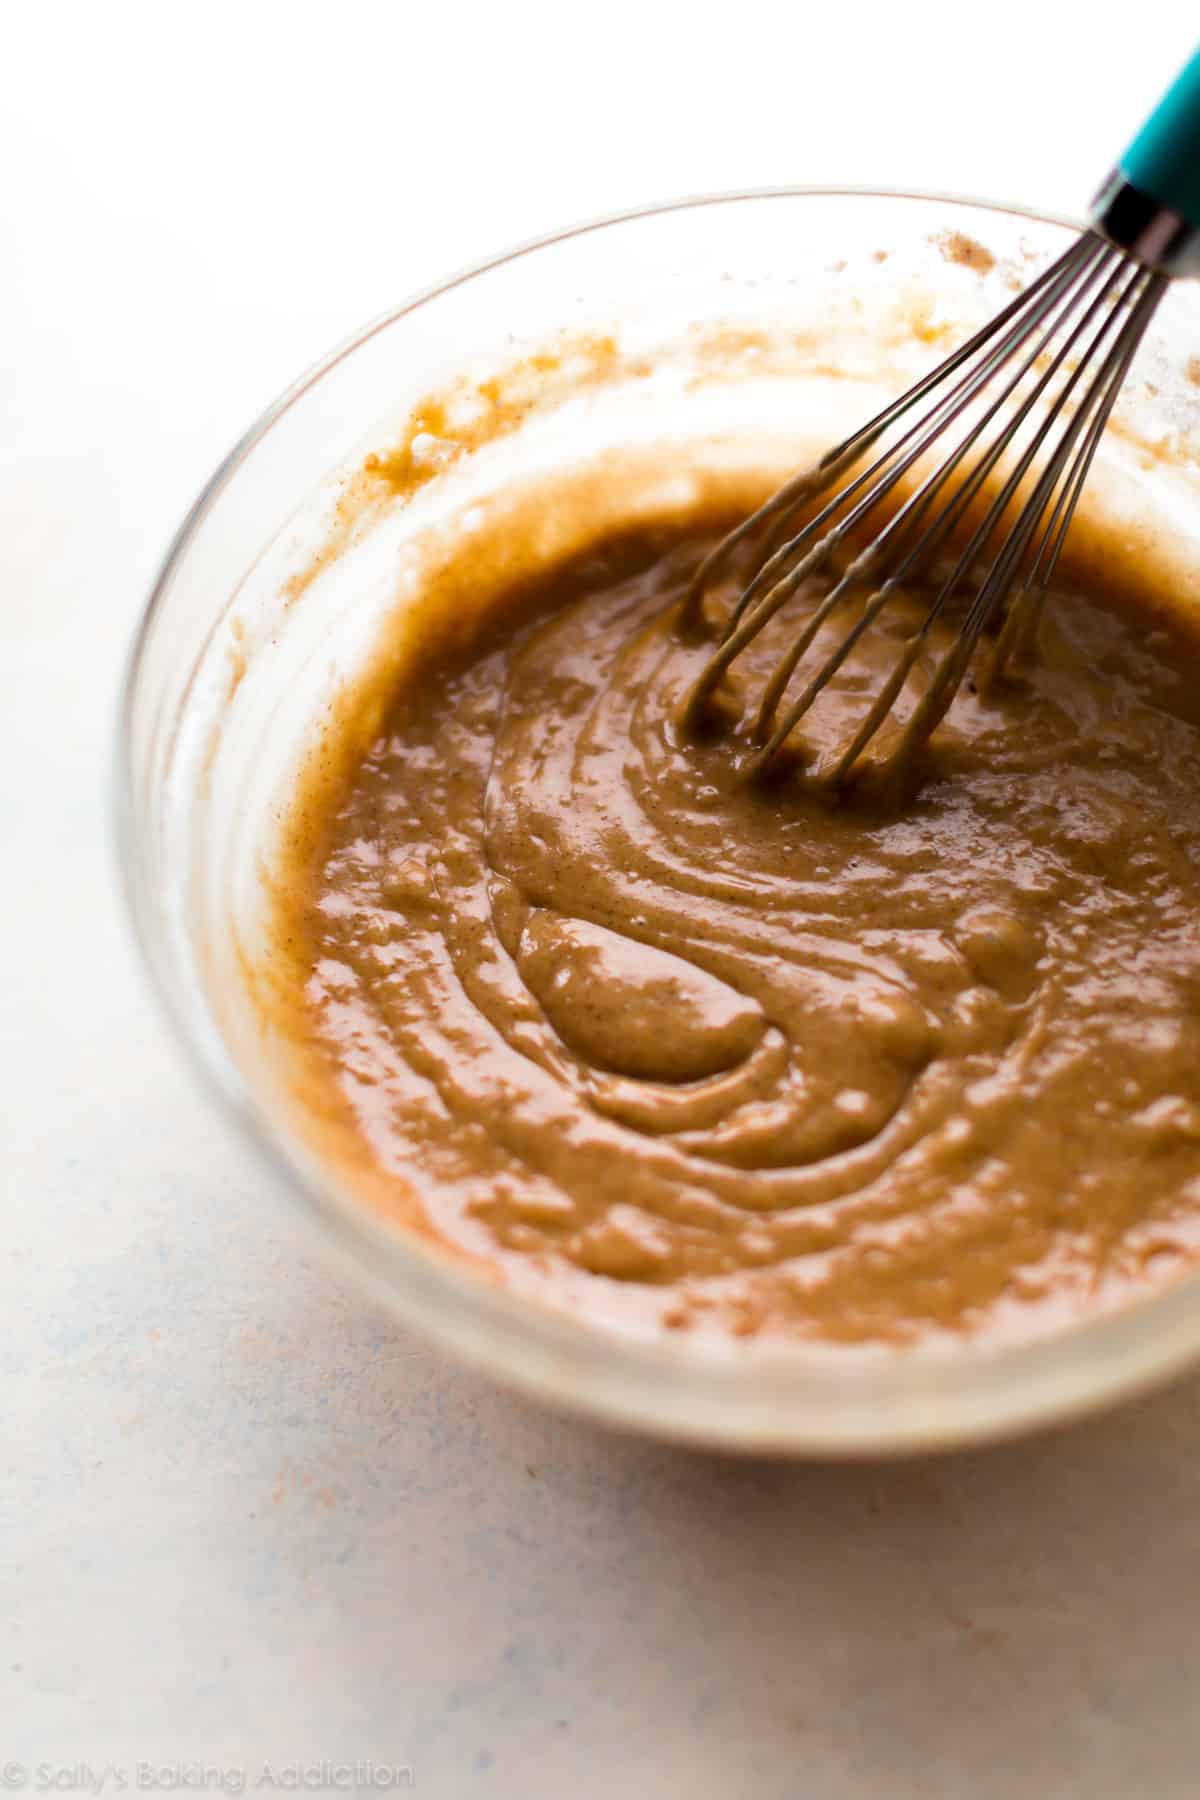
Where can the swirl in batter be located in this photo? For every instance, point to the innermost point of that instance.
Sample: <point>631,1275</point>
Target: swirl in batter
<point>676,1051</point>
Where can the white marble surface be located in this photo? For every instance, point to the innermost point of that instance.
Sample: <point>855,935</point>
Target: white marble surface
<point>243,1517</point>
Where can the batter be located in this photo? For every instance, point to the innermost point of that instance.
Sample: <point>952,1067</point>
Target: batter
<point>677,1052</point>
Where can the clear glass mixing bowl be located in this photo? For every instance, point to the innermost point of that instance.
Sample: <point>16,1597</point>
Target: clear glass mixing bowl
<point>733,330</point>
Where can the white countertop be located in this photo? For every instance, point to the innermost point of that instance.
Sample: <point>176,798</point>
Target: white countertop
<point>245,1519</point>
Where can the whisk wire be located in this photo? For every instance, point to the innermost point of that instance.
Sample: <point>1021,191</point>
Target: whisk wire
<point>806,484</point>
<point>785,571</point>
<point>1024,610</point>
<point>1039,299</point>
<point>1093,292</point>
<point>949,517</point>
<point>936,700</point>
<point>908,518</point>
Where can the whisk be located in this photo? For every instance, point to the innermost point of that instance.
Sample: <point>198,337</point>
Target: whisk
<point>1033,390</point>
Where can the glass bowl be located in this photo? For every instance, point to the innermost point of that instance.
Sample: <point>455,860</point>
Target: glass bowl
<point>731,332</point>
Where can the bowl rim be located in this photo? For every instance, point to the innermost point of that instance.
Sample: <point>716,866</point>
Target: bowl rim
<point>802,1400</point>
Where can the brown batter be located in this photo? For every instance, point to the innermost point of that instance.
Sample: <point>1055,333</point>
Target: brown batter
<point>674,1051</point>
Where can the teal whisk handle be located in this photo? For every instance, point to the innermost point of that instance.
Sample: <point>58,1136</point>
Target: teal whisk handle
<point>1164,158</point>
<point>1150,204</point>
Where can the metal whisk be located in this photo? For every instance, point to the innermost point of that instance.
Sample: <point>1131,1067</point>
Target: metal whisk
<point>1033,391</point>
